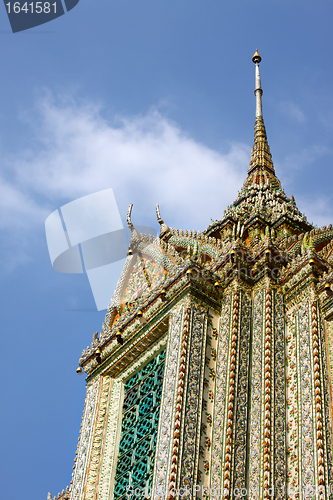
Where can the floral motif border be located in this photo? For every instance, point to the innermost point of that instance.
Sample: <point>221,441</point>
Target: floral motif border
<point>108,460</point>
<point>308,417</point>
<point>280,406</point>
<point>93,465</point>
<point>242,394</point>
<point>256,393</point>
<point>164,442</point>
<point>85,438</point>
<point>327,406</point>
<point>192,417</point>
<point>220,392</point>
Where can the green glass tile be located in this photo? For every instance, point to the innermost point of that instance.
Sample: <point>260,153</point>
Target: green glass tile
<point>131,398</point>
<point>124,464</point>
<point>139,472</point>
<point>146,404</point>
<point>158,392</point>
<point>147,385</point>
<point>144,426</point>
<point>131,382</point>
<point>120,487</point>
<point>142,449</point>
<point>139,426</point>
<point>149,367</point>
<point>129,420</point>
<point>126,442</point>
<point>162,356</point>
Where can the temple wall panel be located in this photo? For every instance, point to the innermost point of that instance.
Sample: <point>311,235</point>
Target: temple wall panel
<point>207,403</point>
<point>327,403</point>
<point>267,432</point>
<point>328,329</point>
<point>292,400</point>
<point>191,422</point>
<point>255,424</point>
<point>241,417</point>
<point>218,409</point>
<point>309,453</point>
<point>245,404</point>
<point>164,444</point>
<point>279,425</point>
<point>229,436</point>
<point>109,449</point>
<point>97,442</point>
<point>85,439</point>
<point>100,434</point>
<point>306,395</point>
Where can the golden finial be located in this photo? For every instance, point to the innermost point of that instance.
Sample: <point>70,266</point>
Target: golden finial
<point>256,57</point>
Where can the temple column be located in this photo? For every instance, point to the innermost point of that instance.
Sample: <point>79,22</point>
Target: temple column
<point>267,448</point>
<point>177,449</point>
<point>229,439</point>
<point>308,437</point>
<point>85,439</point>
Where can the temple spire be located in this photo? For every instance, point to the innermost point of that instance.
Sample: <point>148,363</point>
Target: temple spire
<point>261,159</point>
<point>257,89</point>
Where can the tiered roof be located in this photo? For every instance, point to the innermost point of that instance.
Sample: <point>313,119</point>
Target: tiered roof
<point>262,234</point>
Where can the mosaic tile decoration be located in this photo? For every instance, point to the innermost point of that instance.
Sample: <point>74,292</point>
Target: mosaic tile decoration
<point>329,343</point>
<point>279,400</point>
<point>293,415</point>
<point>244,404</point>
<point>163,447</point>
<point>97,442</point>
<point>85,439</point>
<point>146,274</point>
<point>192,417</point>
<point>108,459</point>
<point>220,394</point>
<point>209,378</point>
<point>256,397</point>
<point>308,443</point>
<point>240,442</point>
<point>140,417</point>
<point>327,408</point>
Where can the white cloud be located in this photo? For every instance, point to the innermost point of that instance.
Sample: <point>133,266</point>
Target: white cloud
<point>17,206</point>
<point>145,159</point>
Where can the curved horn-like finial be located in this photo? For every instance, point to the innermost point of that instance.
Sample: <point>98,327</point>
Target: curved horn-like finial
<point>165,232</point>
<point>128,217</point>
<point>160,221</point>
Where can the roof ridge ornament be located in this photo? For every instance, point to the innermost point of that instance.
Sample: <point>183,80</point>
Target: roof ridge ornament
<point>135,237</point>
<point>165,232</point>
<point>128,216</point>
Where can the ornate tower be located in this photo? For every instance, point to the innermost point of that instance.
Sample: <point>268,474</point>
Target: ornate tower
<point>211,377</point>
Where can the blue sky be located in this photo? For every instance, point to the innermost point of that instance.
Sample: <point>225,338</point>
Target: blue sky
<point>154,99</point>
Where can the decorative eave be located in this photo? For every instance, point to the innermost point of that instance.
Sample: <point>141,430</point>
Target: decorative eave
<point>198,282</point>
<point>300,273</point>
<point>302,226</point>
